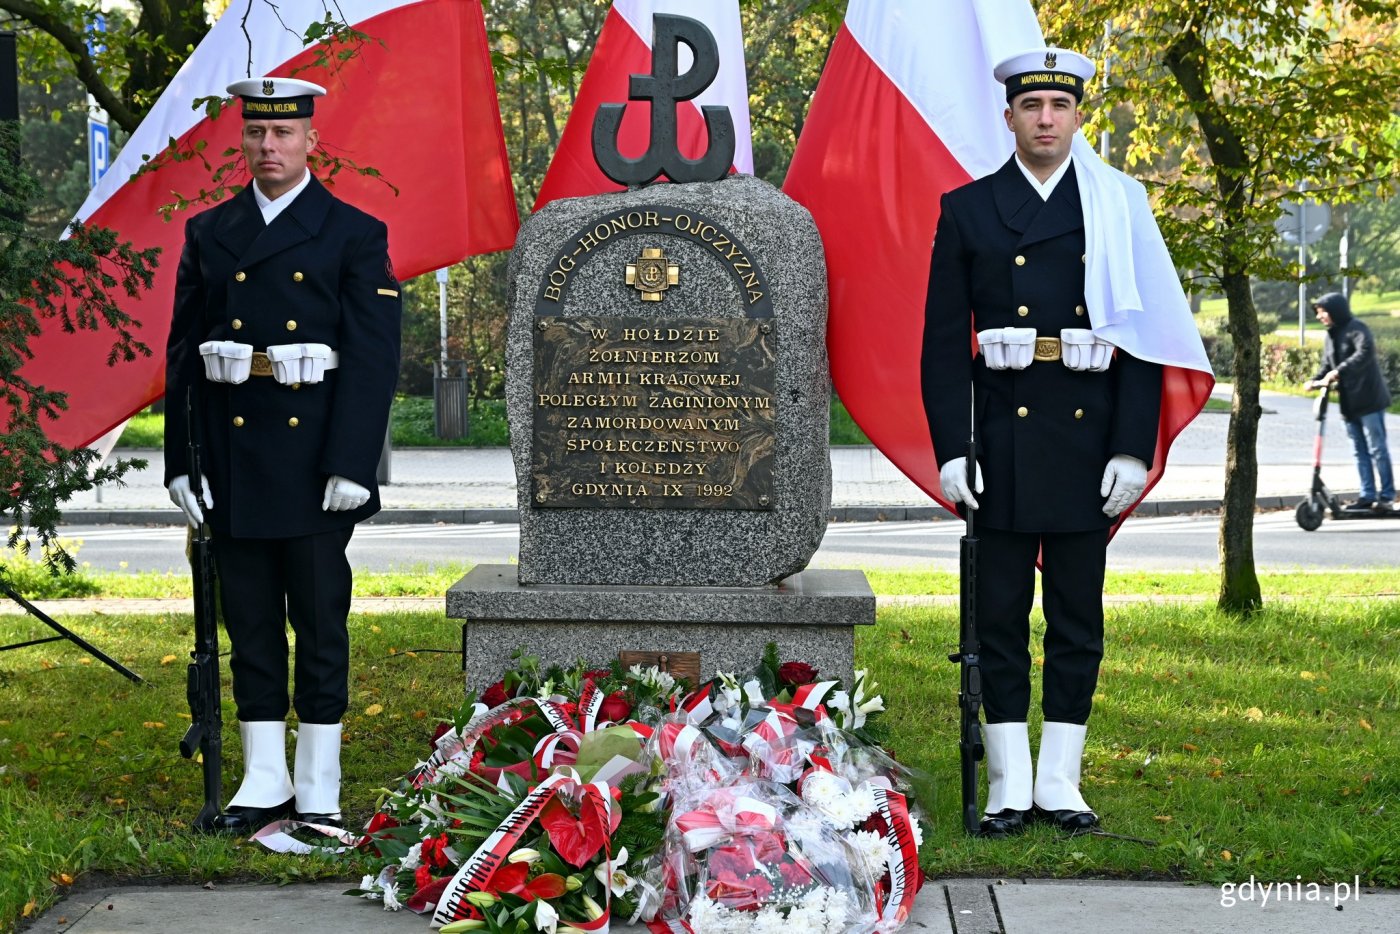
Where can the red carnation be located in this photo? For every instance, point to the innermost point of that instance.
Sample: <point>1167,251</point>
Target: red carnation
<point>495,695</point>
<point>432,852</point>
<point>421,877</point>
<point>598,674</point>
<point>794,674</point>
<point>615,707</point>
<point>442,730</point>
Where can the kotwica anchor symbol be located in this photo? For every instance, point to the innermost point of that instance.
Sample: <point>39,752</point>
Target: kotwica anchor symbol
<point>664,88</point>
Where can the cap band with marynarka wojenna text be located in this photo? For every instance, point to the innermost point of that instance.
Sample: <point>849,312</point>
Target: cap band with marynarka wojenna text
<point>276,98</point>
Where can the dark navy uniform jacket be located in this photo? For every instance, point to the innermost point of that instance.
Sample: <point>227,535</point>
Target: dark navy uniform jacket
<point>1002,257</point>
<point>319,273</point>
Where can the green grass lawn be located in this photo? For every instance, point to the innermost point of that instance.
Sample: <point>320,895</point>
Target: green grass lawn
<point>1263,745</point>
<point>1379,310</point>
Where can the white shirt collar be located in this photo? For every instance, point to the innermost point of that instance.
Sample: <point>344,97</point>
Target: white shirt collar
<point>1046,188</point>
<point>271,207</point>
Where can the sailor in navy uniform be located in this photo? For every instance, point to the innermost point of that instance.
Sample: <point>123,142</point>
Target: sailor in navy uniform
<point>286,327</point>
<point>1066,430</point>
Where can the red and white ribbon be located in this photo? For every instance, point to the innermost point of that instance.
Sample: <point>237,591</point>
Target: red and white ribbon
<point>705,826</point>
<point>894,821</point>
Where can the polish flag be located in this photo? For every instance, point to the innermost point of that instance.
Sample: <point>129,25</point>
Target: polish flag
<point>624,49</point>
<point>906,110</point>
<point>416,103</point>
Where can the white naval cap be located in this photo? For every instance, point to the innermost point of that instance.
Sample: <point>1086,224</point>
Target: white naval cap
<point>1047,69</point>
<point>276,98</point>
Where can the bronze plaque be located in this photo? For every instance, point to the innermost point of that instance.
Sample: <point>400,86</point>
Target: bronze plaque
<point>654,413</point>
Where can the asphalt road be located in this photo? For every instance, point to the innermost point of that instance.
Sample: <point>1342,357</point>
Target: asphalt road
<point>1172,543</point>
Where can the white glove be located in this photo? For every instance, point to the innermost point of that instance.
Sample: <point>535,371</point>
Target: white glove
<point>1123,480</point>
<point>342,495</point>
<point>184,497</point>
<point>953,478</point>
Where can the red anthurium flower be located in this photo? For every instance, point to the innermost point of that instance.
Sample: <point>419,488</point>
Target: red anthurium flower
<point>512,878</point>
<point>429,894</point>
<point>576,839</point>
<point>796,673</point>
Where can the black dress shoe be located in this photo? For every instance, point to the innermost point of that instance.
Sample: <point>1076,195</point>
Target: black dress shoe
<point>1071,822</point>
<point>325,820</point>
<point>1004,823</point>
<point>246,820</point>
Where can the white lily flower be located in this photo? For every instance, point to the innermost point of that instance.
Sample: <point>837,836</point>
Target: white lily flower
<point>592,908</point>
<point>546,918</point>
<point>524,855</point>
<point>618,880</point>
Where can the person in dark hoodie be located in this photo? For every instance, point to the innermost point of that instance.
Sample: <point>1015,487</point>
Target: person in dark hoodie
<point>1350,362</point>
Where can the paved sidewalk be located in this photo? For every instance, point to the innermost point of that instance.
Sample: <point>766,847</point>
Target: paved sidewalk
<point>953,906</point>
<point>478,484</point>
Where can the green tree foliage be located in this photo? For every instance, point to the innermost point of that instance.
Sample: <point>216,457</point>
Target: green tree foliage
<point>74,284</point>
<point>1234,105</point>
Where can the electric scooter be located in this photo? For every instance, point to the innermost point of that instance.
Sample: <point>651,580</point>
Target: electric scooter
<point>1321,500</point>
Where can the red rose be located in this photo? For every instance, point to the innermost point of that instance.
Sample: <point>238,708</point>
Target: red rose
<point>442,730</point>
<point>495,695</point>
<point>796,673</point>
<point>615,707</point>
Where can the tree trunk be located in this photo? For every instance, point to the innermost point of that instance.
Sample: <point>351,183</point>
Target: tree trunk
<point>1239,584</point>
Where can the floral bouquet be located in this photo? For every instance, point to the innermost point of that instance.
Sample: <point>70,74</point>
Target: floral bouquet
<point>750,857</point>
<point>568,796</point>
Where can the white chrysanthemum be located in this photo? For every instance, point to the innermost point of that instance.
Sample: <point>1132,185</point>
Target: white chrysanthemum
<point>769,921</point>
<point>413,858</point>
<point>874,851</point>
<point>918,834</point>
<point>370,888</point>
<point>704,914</point>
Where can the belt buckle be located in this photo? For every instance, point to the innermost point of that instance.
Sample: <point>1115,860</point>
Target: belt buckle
<point>262,366</point>
<point>1046,349</point>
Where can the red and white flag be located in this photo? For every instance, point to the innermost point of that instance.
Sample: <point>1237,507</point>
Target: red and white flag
<point>906,110</point>
<point>624,49</point>
<point>417,103</point>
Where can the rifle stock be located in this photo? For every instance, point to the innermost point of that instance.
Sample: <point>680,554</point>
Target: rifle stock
<point>205,735</point>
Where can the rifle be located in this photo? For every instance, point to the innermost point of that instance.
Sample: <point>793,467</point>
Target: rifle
<point>206,731</point>
<point>968,656</point>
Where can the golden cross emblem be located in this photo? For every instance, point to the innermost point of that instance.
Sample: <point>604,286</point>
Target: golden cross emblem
<point>651,274</point>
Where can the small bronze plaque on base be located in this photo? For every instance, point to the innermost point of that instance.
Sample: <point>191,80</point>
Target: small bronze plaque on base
<point>683,666</point>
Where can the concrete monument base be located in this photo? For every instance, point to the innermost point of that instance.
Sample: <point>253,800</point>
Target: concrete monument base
<point>811,616</point>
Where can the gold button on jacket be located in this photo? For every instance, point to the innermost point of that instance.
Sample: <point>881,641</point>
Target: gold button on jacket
<point>1079,309</point>
<point>1020,261</point>
<point>237,324</point>
<point>238,421</point>
<point>293,422</point>
<point>240,276</point>
<point>291,325</point>
<point>1023,411</point>
<point>297,277</point>
<point>1078,413</point>
<point>1023,311</point>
